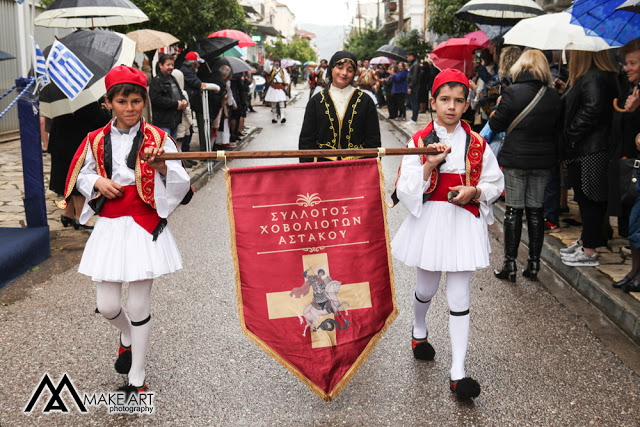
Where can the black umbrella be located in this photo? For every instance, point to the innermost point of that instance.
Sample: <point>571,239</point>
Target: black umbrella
<point>208,49</point>
<point>100,51</point>
<point>90,14</point>
<point>4,56</point>
<point>498,12</point>
<point>394,52</point>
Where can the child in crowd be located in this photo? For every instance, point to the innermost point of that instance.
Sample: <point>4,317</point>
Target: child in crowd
<point>448,196</point>
<point>133,192</point>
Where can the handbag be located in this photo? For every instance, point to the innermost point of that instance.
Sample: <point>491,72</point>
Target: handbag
<point>627,179</point>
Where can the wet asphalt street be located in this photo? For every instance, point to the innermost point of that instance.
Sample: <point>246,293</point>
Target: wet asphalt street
<point>537,362</point>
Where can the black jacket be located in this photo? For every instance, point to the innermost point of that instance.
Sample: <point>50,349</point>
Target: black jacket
<point>192,85</point>
<point>588,109</point>
<point>359,129</point>
<point>163,105</point>
<point>532,144</point>
<point>413,78</point>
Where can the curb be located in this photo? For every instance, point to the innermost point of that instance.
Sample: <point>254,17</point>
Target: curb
<point>592,284</point>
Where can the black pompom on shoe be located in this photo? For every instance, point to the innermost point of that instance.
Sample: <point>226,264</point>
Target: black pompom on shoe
<point>422,349</point>
<point>466,388</point>
<point>274,121</point>
<point>283,121</point>
<point>123,362</point>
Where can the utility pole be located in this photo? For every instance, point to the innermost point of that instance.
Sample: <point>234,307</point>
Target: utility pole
<point>359,19</point>
<point>400,16</point>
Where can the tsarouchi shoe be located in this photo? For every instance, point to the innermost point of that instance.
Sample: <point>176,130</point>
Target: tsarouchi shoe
<point>465,388</point>
<point>123,362</point>
<point>422,349</point>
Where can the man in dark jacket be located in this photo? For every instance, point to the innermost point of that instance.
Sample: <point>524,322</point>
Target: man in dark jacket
<point>194,86</point>
<point>166,98</point>
<point>413,86</point>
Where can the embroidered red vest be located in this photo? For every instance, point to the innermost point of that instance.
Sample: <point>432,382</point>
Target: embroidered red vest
<point>145,175</point>
<point>473,161</point>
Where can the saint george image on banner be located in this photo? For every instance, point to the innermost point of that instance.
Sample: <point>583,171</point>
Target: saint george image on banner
<point>314,277</point>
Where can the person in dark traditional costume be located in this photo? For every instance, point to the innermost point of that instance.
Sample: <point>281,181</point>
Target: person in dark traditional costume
<point>340,116</point>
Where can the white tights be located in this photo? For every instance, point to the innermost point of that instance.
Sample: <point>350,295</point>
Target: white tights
<point>274,110</point>
<point>458,300</point>
<point>109,302</point>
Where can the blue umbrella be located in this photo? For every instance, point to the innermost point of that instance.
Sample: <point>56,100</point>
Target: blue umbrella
<point>600,18</point>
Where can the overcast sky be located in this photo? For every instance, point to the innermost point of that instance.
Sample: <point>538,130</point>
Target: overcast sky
<point>326,18</point>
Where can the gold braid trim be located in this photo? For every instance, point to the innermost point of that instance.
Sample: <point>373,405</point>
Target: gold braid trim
<point>353,113</point>
<point>62,204</point>
<point>331,145</point>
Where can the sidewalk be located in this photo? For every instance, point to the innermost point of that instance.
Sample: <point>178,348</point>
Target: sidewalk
<point>594,283</point>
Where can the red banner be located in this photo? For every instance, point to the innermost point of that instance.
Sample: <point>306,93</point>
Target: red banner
<point>313,267</point>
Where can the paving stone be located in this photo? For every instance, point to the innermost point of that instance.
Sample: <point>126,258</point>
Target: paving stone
<point>610,258</point>
<point>615,271</point>
<point>11,209</point>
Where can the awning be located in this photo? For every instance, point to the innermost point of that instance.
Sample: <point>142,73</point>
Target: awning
<point>267,30</point>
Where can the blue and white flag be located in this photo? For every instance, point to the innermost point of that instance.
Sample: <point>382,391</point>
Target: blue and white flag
<point>39,65</point>
<point>67,71</point>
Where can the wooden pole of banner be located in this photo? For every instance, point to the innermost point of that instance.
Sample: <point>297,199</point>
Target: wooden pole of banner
<point>364,152</point>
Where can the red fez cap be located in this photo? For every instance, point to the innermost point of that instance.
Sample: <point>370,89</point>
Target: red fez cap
<point>448,76</point>
<point>124,74</point>
<point>193,56</point>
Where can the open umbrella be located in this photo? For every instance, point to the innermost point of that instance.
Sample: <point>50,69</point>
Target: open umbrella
<point>600,18</point>
<point>287,62</point>
<point>460,49</point>
<point>208,49</point>
<point>90,14</point>
<point>381,60</point>
<point>243,39</point>
<point>237,65</point>
<point>236,52</point>
<point>100,51</point>
<point>480,38</point>
<point>394,52</point>
<point>443,63</point>
<point>553,32</point>
<point>4,56</point>
<point>147,40</point>
<point>498,12</point>
<point>310,64</point>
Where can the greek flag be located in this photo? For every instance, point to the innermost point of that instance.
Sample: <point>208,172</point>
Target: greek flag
<point>67,71</point>
<point>40,65</point>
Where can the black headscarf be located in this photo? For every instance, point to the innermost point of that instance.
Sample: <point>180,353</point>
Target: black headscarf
<point>340,57</point>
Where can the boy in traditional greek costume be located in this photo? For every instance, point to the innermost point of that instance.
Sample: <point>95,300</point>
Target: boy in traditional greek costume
<point>116,170</point>
<point>448,196</point>
<point>278,81</point>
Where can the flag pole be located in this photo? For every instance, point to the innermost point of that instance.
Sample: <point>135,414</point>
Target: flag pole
<point>363,152</point>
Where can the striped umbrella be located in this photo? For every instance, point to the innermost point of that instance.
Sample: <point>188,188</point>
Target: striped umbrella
<point>90,14</point>
<point>498,12</point>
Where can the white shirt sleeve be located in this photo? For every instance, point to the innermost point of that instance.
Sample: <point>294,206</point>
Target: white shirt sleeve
<point>171,189</point>
<point>86,180</point>
<point>491,184</point>
<point>411,184</point>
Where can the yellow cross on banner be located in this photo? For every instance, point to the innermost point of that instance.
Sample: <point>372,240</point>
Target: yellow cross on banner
<point>284,305</point>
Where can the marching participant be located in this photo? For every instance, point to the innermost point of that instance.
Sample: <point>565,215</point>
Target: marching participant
<point>448,196</point>
<point>340,116</point>
<point>116,169</point>
<point>368,81</point>
<point>278,82</point>
<point>320,78</point>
